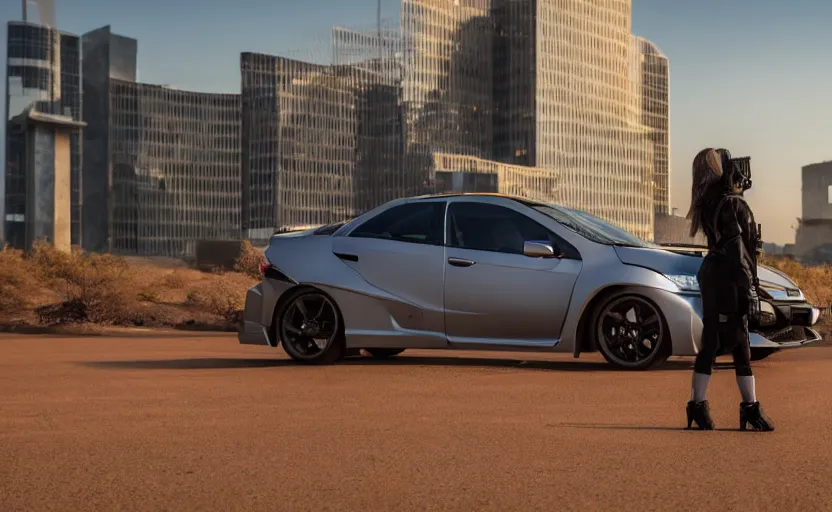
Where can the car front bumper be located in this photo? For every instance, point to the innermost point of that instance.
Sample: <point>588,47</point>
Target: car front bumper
<point>795,327</point>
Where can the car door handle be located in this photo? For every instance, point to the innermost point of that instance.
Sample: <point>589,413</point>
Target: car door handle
<point>459,262</point>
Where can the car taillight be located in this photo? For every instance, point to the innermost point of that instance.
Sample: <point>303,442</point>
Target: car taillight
<point>264,266</point>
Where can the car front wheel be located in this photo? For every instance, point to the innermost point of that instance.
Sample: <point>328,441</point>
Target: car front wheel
<point>630,332</point>
<point>310,328</point>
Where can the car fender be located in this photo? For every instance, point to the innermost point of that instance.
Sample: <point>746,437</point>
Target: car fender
<point>602,277</point>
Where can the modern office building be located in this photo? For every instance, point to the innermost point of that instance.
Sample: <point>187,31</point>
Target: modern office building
<point>534,83</point>
<point>448,77</point>
<point>106,57</point>
<point>43,72</point>
<point>652,72</point>
<point>163,167</point>
<point>320,143</point>
<point>175,160</point>
<point>586,123</point>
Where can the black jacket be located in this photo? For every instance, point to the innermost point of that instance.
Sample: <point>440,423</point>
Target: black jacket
<point>731,230</point>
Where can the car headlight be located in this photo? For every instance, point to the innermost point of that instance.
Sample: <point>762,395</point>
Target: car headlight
<point>685,282</point>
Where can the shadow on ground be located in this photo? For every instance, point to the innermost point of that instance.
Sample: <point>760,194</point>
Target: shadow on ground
<point>206,363</point>
<point>633,427</point>
<point>233,363</point>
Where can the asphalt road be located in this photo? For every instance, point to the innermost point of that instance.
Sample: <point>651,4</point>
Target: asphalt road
<point>202,423</point>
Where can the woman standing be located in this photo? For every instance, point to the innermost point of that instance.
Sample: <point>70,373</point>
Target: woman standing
<point>727,281</point>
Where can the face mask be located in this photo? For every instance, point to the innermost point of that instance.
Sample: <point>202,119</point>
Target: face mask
<point>736,172</point>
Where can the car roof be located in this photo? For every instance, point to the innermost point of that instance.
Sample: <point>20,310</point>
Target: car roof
<point>525,200</point>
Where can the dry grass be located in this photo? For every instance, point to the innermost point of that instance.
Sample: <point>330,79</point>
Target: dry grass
<point>47,288</point>
<point>815,281</point>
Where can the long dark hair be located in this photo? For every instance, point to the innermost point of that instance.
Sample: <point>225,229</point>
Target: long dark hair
<point>707,177</point>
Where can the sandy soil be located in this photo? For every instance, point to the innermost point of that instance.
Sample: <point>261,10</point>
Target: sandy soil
<point>182,422</point>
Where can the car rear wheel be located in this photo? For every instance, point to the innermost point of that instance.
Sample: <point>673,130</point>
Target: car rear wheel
<point>384,353</point>
<point>631,333</point>
<point>310,328</point>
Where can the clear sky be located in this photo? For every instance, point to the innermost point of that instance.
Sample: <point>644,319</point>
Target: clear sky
<point>754,76</point>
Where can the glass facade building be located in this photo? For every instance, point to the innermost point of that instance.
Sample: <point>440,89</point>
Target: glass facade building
<point>552,100</point>
<point>106,56</point>
<point>175,160</point>
<point>43,72</point>
<point>653,74</point>
<point>320,143</point>
<point>162,168</point>
<point>536,83</point>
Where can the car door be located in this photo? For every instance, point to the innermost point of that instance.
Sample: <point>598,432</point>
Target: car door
<point>494,294</point>
<point>401,251</point>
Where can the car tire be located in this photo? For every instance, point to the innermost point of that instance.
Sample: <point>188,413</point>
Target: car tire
<point>604,318</point>
<point>758,354</point>
<point>383,353</point>
<point>289,314</point>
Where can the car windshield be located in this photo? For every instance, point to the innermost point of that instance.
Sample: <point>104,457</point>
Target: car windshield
<point>591,227</point>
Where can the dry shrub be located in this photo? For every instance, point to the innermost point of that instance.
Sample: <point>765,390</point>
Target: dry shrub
<point>174,281</point>
<point>248,261</point>
<point>16,283</point>
<point>815,281</point>
<point>220,299</point>
<point>97,288</point>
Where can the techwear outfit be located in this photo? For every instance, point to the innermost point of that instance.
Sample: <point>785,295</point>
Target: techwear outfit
<point>729,288</point>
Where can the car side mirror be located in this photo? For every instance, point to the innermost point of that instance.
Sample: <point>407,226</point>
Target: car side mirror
<point>539,250</point>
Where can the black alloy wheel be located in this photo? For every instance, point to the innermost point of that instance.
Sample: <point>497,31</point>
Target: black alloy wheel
<point>310,328</point>
<point>631,333</point>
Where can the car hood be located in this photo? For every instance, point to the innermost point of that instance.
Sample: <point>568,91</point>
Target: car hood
<point>667,262</point>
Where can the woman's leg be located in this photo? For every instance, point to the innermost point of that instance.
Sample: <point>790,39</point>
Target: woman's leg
<point>705,360</point>
<point>742,361</point>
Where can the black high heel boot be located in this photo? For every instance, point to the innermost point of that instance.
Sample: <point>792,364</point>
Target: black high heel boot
<point>751,414</point>
<point>699,412</point>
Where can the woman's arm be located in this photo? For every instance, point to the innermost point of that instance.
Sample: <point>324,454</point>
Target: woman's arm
<point>734,222</point>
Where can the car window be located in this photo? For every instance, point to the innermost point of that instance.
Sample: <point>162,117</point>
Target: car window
<point>420,222</point>
<point>488,227</point>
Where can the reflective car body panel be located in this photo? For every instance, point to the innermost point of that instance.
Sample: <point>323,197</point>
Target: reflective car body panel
<point>433,294</point>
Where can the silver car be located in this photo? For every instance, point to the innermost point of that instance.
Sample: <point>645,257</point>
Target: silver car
<point>493,272</point>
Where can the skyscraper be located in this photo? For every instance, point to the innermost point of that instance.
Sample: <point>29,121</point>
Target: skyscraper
<point>43,71</point>
<point>107,57</point>
<point>537,83</point>
<point>652,74</point>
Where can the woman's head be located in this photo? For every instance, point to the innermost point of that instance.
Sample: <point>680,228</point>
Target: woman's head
<point>707,174</point>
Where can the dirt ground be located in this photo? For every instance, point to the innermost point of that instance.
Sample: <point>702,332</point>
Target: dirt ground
<point>161,421</point>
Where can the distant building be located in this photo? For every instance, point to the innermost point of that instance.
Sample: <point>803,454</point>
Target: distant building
<point>164,165</point>
<point>43,72</point>
<point>319,143</point>
<point>175,161</point>
<point>653,73</point>
<point>814,232</point>
<point>106,57</point>
<point>47,177</point>
<point>674,229</point>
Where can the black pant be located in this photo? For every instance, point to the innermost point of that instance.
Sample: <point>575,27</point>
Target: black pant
<point>731,334</point>
<point>724,319</point>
